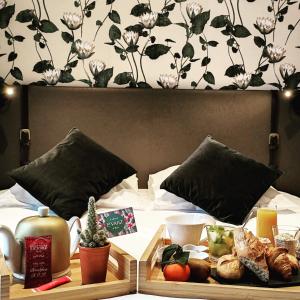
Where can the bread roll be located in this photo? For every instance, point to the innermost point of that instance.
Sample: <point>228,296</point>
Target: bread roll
<point>229,267</point>
<point>200,270</point>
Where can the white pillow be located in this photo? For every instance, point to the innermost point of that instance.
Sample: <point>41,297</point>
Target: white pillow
<point>163,200</point>
<point>156,179</point>
<point>25,197</point>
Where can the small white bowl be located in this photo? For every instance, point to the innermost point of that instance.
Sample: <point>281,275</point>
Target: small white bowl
<point>190,247</point>
<point>198,255</point>
<point>187,228</point>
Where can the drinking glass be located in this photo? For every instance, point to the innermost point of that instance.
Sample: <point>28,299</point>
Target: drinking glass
<point>287,237</point>
<point>220,240</point>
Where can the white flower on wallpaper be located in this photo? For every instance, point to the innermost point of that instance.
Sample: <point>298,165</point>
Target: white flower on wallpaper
<point>242,80</point>
<point>2,4</point>
<point>96,66</point>
<point>167,81</point>
<point>287,70</point>
<point>148,19</point>
<point>84,49</point>
<point>275,53</point>
<point>149,44</point>
<point>265,25</point>
<point>72,20</point>
<point>131,37</point>
<point>193,9</point>
<point>51,76</point>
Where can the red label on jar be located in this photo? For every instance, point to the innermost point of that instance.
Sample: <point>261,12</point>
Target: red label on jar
<point>37,261</point>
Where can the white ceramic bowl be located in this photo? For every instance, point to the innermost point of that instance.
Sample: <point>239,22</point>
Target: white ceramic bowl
<point>187,228</point>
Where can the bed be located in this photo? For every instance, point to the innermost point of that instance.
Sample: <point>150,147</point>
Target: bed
<point>154,130</point>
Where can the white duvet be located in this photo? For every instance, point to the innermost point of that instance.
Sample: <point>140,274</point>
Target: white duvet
<point>148,219</point>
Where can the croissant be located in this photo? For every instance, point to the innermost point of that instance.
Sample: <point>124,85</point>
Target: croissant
<point>281,263</point>
<point>294,264</point>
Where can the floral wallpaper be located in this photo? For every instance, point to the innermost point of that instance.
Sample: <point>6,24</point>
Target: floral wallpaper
<point>207,44</point>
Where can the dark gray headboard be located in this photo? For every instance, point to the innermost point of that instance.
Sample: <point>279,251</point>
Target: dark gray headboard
<point>154,129</point>
<point>151,129</point>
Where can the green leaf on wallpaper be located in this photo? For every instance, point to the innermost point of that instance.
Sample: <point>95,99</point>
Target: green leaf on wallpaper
<point>163,20</point>
<point>213,43</point>
<point>199,22</point>
<point>144,85</point>
<point>136,28</point>
<point>229,87</point>
<point>219,21</point>
<point>209,78</point>
<point>205,61</point>
<point>67,37</point>
<point>119,50</point>
<point>42,66</point>
<point>12,56</point>
<point>188,50</point>
<point>156,50</point>
<point>103,78</point>
<point>140,9</point>
<point>123,78</point>
<point>170,7</point>
<point>91,6</point>
<point>47,26</point>
<point>114,16</point>
<point>264,68</point>
<point>256,80</point>
<point>132,48</point>
<point>65,77</point>
<point>241,31</point>
<point>259,42</point>
<point>178,1</point>
<point>7,34</point>
<point>230,42</point>
<point>114,33</point>
<point>86,81</point>
<point>233,70</point>
<point>16,73</point>
<point>293,81</point>
<point>37,37</point>
<point>110,1</point>
<point>72,64</point>
<point>169,41</point>
<point>25,16</point>
<point>19,38</point>
<point>5,15</point>
<point>283,11</point>
<point>186,68</point>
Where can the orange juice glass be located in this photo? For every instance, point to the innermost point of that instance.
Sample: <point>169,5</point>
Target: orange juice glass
<point>265,220</point>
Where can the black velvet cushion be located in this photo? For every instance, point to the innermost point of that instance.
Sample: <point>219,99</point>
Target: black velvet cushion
<point>67,175</point>
<point>221,181</point>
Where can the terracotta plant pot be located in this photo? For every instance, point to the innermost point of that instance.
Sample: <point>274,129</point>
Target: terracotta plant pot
<point>93,262</point>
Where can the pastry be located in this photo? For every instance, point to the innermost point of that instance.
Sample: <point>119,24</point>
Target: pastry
<point>229,267</point>
<point>200,270</point>
<point>251,253</point>
<point>281,263</point>
<point>294,263</point>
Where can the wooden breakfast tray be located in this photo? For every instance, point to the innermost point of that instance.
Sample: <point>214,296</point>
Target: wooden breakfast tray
<point>121,279</point>
<point>151,281</point>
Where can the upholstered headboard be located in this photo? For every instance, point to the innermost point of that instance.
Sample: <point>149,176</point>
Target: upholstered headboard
<point>154,129</point>
<point>151,129</point>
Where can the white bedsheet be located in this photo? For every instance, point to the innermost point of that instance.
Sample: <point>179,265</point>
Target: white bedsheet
<point>147,220</point>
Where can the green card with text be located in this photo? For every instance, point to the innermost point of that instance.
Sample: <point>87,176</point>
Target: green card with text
<point>118,222</point>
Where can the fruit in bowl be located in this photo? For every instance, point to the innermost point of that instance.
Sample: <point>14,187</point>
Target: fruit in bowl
<point>220,240</point>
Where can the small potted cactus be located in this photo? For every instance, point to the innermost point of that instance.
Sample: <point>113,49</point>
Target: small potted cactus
<point>94,249</point>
